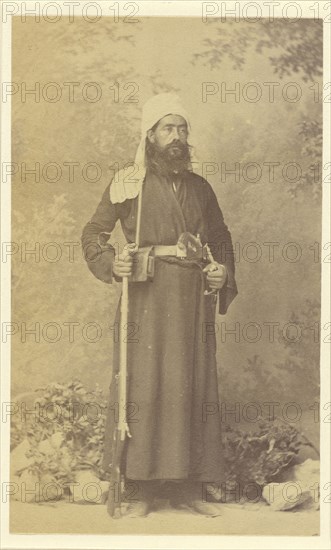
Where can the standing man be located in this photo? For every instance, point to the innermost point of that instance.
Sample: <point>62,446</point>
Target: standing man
<point>172,374</point>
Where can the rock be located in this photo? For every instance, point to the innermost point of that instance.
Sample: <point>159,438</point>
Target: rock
<point>18,459</point>
<point>307,472</point>
<point>14,490</point>
<point>29,487</point>
<point>45,446</point>
<point>89,489</point>
<point>56,440</point>
<point>286,496</point>
<point>52,443</point>
<point>306,477</point>
<point>50,489</point>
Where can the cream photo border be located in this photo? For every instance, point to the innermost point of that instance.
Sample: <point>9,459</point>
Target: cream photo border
<point>178,8</point>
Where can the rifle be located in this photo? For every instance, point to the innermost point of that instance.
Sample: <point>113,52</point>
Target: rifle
<point>121,431</point>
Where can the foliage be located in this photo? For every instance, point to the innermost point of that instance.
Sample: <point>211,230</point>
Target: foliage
<point>71,420</point>
<point>294,49</point>
<point>311,135</point>
<point>295,53</point>
<point>46,291</point>
<point>303,360</point>
<point>68,432</point>
<point>296,365</point>
<point>259,456</point>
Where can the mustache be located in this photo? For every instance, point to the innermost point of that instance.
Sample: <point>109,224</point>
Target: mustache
<point>167,159</point>
<point>177,144</point>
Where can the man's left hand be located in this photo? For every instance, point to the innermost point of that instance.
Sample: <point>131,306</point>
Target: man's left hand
<point>216,275</point>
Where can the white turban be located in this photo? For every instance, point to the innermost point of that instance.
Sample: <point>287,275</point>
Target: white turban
<point>127,183</point>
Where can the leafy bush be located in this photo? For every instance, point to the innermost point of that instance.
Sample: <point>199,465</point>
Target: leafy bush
<point>71,420</point>
<point>67,435</point>
<point>258,457</point>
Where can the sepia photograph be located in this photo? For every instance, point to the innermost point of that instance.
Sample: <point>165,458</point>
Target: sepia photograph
<point>165,255</point>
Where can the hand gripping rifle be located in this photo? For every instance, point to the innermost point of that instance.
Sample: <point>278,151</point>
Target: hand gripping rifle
<point>121,431</point>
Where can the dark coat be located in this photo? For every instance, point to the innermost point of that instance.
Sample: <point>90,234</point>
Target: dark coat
<point>172,374</point>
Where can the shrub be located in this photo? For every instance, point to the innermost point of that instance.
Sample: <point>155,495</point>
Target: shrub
<point>259,456</point>
<point>71,421</point>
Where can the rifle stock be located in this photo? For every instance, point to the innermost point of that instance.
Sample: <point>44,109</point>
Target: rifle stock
<point>114,493</point>
<point>121,431</point>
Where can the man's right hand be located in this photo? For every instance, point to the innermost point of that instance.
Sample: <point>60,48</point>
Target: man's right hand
<point>122,266</point>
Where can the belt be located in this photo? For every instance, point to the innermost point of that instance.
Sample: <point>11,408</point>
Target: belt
<point>163,250</point>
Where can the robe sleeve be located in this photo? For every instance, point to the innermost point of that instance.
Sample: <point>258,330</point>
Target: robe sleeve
<point>99,254</point>
<point>220,243</point>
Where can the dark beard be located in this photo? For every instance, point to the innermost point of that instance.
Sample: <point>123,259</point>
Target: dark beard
<point>174,158</point>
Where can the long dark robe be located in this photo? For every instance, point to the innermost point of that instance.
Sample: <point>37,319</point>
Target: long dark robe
<point>172,375</point>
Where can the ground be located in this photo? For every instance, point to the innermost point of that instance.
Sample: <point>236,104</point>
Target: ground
<point>249,519</point>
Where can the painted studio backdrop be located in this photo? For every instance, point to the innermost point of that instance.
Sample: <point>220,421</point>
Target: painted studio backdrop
<point>254,94</point>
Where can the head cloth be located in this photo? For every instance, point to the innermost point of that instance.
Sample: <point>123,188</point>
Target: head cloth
<point>123,185</point>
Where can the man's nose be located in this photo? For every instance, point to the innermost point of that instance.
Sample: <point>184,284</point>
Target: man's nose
<point>175,134</point>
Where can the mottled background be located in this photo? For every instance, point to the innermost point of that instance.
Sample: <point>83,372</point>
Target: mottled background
<point>171,55</point>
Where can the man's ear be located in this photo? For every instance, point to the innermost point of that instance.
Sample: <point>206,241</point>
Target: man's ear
<point>151,136</point>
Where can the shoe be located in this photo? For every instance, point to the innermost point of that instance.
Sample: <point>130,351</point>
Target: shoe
<point>204,508</point>
<point>139,509</point>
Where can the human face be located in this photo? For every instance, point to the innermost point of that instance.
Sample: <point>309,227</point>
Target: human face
<point>170,134</point>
